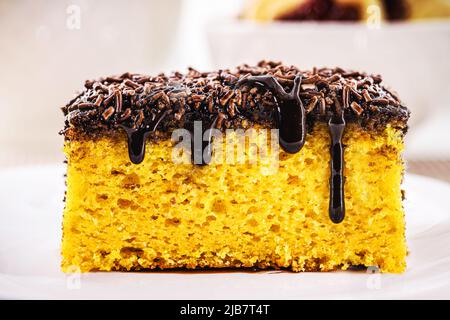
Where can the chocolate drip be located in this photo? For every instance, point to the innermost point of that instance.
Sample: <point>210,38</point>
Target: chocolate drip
<point>337,179</point>
<point>290,111</point>
<point>198,155</point>
<point>137,138</point>
<point>136,143</point>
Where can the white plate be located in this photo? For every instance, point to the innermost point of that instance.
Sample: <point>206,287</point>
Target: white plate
<point>30,230</point>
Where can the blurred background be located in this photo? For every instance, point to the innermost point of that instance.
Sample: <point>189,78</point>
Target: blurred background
<point>49,48</point>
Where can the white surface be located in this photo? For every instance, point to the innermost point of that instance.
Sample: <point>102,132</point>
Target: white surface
<point>30,224</point>
<point>431,139</point>
<point>411,57</point>
<point>51,47</point>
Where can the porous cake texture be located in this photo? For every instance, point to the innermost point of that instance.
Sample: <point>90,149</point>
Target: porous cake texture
<point>155,213</point>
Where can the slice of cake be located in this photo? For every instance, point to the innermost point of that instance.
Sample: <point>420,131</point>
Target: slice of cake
<point>264,166</point>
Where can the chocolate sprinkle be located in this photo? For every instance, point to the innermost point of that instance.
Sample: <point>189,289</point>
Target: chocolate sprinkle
<point>202,96</point>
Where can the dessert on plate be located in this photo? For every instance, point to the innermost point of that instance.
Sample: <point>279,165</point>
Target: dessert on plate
<point>329,199</point>
<point>344,10</point>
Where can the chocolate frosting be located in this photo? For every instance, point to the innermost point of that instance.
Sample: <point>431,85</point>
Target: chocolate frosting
<point>106,105</point>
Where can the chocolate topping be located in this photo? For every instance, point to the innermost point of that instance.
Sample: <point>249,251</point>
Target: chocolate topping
<point>134,100</point>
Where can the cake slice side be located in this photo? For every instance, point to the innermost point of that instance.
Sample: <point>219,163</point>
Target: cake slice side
<point>121,216</point>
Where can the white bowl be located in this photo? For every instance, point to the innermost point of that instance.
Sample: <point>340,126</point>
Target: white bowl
<point>413,58</point>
